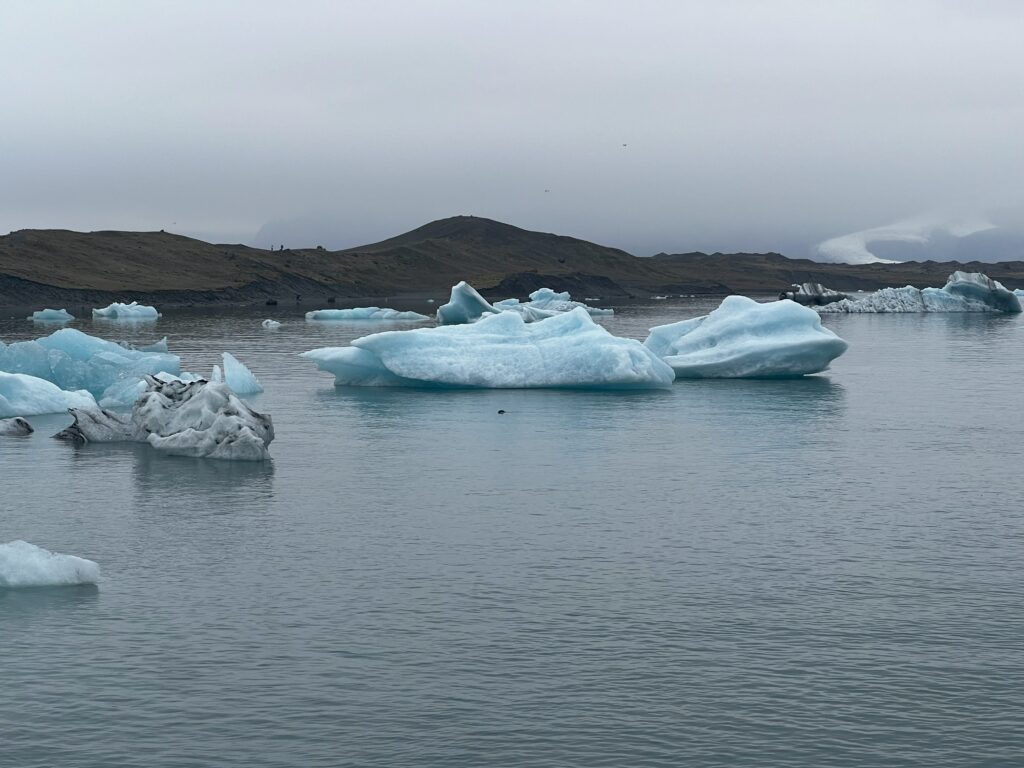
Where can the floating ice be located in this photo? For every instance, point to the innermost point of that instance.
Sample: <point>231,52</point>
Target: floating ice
<point>365,313</point>
<point>567,350</point>
<point>133,311</point>
<point>197,418</point>
<point>270,324</point>
<point>26,565</point>
<point>16,427</point>
<point>745,339</point>
<point>963,292</point>
<point>547,302</point>
<point>466,305</point>
<point>238,377</point>
<point>74,360</point>
<point>51,316</point>
<point>24,395</point>
<point>812,293</point>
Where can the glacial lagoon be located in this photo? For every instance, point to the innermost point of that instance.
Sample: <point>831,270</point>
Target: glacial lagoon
<point>731,572</point>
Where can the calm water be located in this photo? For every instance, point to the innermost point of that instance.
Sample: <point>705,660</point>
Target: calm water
<point>796,573</point>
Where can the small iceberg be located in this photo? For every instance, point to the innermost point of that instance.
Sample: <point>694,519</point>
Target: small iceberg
<point>366,313</point>
<point>963,292</point>
<point>26,565</point>
<point>568,350</point>
<point>51,316</point>
<point>133,311</point>
<point>16,427</point>
<point>24,395</point>
<point>270,324</point>
<point>466,305</point>
<point>812,294</point>
<point>545,300</point>
<point>745,339</point>
<point>183,418</point>
<point>241,380</point>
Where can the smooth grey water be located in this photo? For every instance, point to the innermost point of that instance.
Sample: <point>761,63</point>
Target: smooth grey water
<point>762,573</point>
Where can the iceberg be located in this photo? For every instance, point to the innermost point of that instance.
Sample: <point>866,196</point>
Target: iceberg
<point>549,301</point>
<point>24,395</point>
<point>365,313</point>
<point>238,377</point>
<point>26,565</point>
<point>16,427</point>
<point>51,316</point>
<point>133,311</point>
<point>812,293</point>
<point>270,324</point>
<point>568,350</point>
<point>183,418</point>
<point>466,305</point>
<point>74,360</point>
<point>746,339</point>
<point>963,292</point>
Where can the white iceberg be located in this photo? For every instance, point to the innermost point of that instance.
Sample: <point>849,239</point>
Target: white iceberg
<point>74,360</point>
<point>963,292</point>
<point>365,313</point>
<point>26,565</point>
<point>16,427</point>
<point>745,339</point>
<point>24,395</point>
<point>133,311</point>
<point>51,316</point>
<point>466,305</point>
<point>270,324</point>
<point>183,418</point>
<point>568,350</point>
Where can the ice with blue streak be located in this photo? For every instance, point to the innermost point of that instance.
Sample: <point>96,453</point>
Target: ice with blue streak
<point>746,339</point>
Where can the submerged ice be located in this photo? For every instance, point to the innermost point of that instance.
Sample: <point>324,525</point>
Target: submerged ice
<point>26,565</point>
<point>133,311</point>
<point>746,339</point>
<point>185,418</point>
<point>963,292</point>
<point>567,350</point>
<point>365,313</point>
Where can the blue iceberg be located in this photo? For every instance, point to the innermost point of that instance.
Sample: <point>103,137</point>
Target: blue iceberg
<point>133,311</point>
<point>365,313</point>
<point>568,350</point>
<point>26,565</point>
<point>963,292</point>
<point>466,305</point>
<point>51,316</point>
<point>24,395</point>
<point>746,339</point>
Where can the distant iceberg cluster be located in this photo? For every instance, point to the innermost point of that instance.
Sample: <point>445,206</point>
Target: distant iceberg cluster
<point>133,311</point>
<point>963,292</point>
<point>366,313</point>
<point>502,350</point>
<point>746,339</point>
<point>26,565</point>
<point>466,305</point>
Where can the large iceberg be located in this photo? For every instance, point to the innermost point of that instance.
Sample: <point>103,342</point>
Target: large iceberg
<point>74,360</point>
<point>365,313</point>
<point>51,316</point>
<point>24,395</point>
<point>963,292</point>
<point>466,305</point>
<point>133,311</point>
<point>746,339</point>
<point>183,418</point>
<point>567,350</point>
<point>26,565</point>
<point>16,427</point>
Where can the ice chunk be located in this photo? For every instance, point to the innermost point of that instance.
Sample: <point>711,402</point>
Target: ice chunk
<point>568,350</point>
<point>24,395</point>
<point>745,339</point>
<point>812,293</point>
<point>238,377</point>
<point>26,565</point>
<point>51,316</point>
<point>16,427</point>
<point>464,306</point>
<point>196,418</point>
<point>365,313</point>
<point>270,324</point>
<point>74,360</point>
<point>963,292</point>
<point>133,311</point>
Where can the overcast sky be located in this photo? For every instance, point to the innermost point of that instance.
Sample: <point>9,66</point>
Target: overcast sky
<point>747,125</point>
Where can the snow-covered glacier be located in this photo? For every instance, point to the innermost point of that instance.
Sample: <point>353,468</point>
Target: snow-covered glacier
<point>746,339</point>
<point>133,311</point>
<point>366,313</point>
<point>466,305</point>
<point>24,395</point>
<point>567,350</point>
<point>963,292</point>
<point>184,418</point>
<point>26,565</point>
<point>51,316</point>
